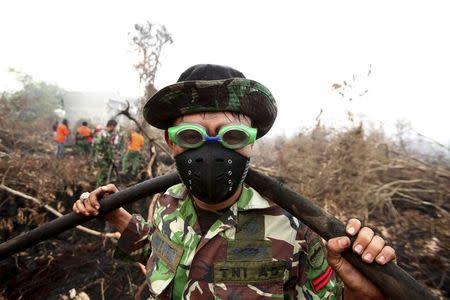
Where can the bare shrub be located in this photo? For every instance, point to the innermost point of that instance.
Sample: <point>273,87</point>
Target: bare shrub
<point>403,195</point>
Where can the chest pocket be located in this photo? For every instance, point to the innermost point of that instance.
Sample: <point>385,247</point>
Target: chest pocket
<point>249,271</point>
<point>163,262</point>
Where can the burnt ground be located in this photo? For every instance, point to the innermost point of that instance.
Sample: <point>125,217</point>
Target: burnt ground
<point>73,259</point>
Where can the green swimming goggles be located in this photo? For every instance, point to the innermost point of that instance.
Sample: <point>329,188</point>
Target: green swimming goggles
<point>191,136</point>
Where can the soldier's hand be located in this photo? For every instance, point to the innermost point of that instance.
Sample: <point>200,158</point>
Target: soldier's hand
<point>370,247</point>
<point>90,205</point>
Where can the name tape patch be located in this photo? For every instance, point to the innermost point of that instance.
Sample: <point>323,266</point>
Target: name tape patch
<point>316,253</point>
<point>249,272</point>
<point>249,250</point>
<point>166,250</point>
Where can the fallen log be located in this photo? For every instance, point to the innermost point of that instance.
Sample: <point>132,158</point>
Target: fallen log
<point>390,278</point>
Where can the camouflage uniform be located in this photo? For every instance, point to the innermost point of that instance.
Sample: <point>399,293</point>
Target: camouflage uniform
<point>103,155</point>
<point>255,250</point>
<point>84,147</point>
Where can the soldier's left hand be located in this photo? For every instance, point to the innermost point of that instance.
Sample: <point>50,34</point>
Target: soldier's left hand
<point>370,247</point>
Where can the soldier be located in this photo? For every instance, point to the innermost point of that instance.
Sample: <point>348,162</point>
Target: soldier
<point>104,151</point>
<point>215,237</point>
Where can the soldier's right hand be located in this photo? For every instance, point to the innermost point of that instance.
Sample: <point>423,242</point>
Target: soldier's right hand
<point>90,205</point>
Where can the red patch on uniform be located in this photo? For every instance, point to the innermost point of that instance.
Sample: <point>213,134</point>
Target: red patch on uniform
<point>322,280</point>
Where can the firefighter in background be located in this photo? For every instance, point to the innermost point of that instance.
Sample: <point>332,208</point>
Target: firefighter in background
<point>82,138</point>
<point>135,143</point>
<point>62,131</point>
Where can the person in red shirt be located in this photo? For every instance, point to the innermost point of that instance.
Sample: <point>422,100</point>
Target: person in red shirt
<point>61,133</point>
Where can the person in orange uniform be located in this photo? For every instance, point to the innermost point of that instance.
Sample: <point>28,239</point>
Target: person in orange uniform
<point>135,144</point>
<point>82,138</point>
<point>62,131</point>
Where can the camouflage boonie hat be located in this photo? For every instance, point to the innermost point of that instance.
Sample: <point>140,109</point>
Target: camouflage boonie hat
<point>212,88</point>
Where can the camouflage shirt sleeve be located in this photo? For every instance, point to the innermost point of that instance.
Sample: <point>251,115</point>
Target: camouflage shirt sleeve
<point>317,279</point>
<point>103,149</point>
<point>134,243</point>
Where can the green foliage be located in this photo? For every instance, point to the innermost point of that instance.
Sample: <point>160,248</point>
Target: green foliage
<point>36,100</point>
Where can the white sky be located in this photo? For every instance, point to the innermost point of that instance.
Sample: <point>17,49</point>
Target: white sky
<point>298,49</point>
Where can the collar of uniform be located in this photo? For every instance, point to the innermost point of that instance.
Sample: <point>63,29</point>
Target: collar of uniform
<point>177,191</point>
<point>249,198</point>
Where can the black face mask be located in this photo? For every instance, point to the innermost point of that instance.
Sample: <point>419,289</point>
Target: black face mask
<point>212,173</point>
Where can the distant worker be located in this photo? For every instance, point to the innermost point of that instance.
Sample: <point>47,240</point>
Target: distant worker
<point>54,127</point>
<point>95,133</point>
<point>97,130</point>
<point>135,143</point>
<point>62,131</point>
<point>104,151</point>
<point>82,138</point>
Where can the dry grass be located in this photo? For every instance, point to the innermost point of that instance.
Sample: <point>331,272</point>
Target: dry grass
<point>353,173</point>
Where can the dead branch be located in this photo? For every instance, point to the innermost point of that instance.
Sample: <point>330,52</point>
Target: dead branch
<point>148,40</point>
<point>102,291</point>
<point>4,175</point>
<point>5,149</point>
<point>151,209</point>
<point>130,284</point>
<point>397,182</point>
<point>126,113</point>
<point>114,235</point>
<point>267,171</point>
<point>419,202</point>
<point>150,164</point>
